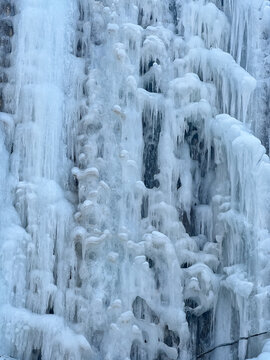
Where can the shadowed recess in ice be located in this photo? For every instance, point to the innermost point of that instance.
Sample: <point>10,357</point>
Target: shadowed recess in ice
<point>134,179</point>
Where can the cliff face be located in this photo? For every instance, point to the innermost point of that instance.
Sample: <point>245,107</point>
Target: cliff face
<point>134,189</point>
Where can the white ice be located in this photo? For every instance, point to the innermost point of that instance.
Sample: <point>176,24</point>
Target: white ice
<point>134,179</point>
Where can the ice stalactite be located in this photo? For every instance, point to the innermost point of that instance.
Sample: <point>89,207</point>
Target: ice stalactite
<point>135,198</point>
<point>34,261</point>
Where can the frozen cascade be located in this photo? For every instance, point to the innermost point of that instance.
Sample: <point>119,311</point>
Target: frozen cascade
<point>134,179</point>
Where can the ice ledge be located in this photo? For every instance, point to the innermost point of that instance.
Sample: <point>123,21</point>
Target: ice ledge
<point>48,334</point>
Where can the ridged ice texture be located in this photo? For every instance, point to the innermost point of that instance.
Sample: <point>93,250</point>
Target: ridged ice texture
<point>134,214</point>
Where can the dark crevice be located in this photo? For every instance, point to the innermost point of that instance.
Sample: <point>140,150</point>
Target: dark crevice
<point>146,66</point>
<point>151,123</point>
<point>150,262</point>
<point>144,207</point>
<point>171,338</point>
<point>151,85</point>
<point>140,16</point>
<point>36,354</point>
<point>173,11</point>
<point>142,311</point>
<point>179,184</point>
<point>97,339</point>
<point>138,351</point>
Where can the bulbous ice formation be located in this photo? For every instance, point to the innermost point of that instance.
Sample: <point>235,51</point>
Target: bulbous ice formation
<point>135,192</point>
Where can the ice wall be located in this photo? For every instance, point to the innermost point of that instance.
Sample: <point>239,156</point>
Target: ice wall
<point>134,206</point>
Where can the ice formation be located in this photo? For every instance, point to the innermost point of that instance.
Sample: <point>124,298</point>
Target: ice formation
<point>134,179</point>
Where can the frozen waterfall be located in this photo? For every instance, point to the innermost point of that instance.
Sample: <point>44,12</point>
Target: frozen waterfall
<point>134,179</point>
